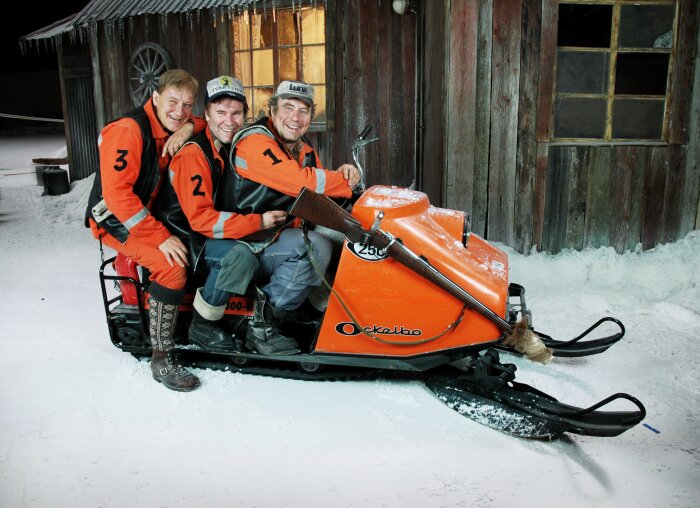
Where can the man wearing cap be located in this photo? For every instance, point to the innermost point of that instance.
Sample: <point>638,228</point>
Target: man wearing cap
<point>195,177</point>
<point>134,153</point>
<point>274,163</point>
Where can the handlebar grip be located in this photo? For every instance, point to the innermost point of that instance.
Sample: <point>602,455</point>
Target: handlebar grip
<point>365,131</point>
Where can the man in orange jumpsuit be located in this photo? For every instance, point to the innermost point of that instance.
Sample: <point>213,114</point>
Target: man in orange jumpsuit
<point>195,176</point>
<point>134,154</point>
<point>274,164</point>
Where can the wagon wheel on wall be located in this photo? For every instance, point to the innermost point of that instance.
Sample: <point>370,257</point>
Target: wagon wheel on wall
<point>146,64</point>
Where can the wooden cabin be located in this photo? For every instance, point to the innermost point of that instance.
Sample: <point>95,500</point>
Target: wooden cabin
<point>557,124</point>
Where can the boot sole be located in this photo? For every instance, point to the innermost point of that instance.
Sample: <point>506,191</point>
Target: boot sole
<point>176,388</point>
<point>203,345</point>
<point>284,352</point>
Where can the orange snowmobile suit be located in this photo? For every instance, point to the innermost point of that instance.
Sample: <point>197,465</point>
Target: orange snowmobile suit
<point>129,178</point>
<point>193,179</point>
<point>259,156</point>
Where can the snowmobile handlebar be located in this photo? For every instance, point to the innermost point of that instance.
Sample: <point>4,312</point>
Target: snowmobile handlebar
<point>319,209</point>
<point>360,142</point>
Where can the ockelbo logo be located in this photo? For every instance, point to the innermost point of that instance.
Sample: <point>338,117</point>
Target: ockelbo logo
<point>350,328</point>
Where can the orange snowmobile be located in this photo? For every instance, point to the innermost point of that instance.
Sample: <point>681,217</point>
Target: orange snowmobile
<point>414,294</point>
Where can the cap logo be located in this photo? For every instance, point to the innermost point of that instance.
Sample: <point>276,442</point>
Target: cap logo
<point>224,85</point>
<point>298,88</point>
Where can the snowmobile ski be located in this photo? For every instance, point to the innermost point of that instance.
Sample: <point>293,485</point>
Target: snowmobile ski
<point>564,348</point>
<point>486,392</point>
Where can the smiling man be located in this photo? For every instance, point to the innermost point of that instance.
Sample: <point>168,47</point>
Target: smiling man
<point>134,153</point>
<point>274,163</point>
<point>195,210</point>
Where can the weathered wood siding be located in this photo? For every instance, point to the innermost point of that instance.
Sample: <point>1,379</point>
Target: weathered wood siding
<point>371,73</point>
<point>527,192</point>
<point>375,83</point>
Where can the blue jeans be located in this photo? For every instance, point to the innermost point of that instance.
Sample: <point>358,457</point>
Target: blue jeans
<point>231,267</point>
<point>286,263</point>
<point>291,273</point>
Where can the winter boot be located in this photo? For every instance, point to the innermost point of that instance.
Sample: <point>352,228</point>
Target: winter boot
<point>263,336</point>
<point>162,318</point>
<point>205,330</point>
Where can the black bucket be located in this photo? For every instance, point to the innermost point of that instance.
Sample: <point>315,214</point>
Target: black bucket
<point>55,181</point>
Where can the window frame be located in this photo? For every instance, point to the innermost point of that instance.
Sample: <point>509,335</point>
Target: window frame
<point>612,51</point>
<point>275,47</point>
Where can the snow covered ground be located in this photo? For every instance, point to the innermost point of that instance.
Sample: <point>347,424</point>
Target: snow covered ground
<point>83,424</point>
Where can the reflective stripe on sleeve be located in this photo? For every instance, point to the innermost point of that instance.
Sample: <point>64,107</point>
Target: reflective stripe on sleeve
<point>171,175</point>
<point>218,230</point>
<point>240,162</point>
<point>136,219</point>
<point>320,180</point>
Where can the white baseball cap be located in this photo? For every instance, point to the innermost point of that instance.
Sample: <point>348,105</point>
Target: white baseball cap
<point>296,90</point>
<point>224,86</point>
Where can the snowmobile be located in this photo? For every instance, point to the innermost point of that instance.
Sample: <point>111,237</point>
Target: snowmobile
<point>413,294</point>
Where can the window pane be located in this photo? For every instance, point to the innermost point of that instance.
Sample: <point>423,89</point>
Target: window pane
<point>241,33</point>
<point>313,26</point>
<point>262,30</point>
<point>579,118</point>
<point>582,72</point>
<point>641,73</point>
<point>287,30</point>
<point>288,61</point>
<point>262,67</point>
<point>586,26</point>
<point>241,67</point>
<point>638,118</point>
<point>320,100</point>
<point>314,64</point>
<point>260,98</point>
<point>646,26</point>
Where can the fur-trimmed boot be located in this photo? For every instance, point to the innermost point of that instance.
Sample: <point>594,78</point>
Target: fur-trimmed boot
<point>162,319</point>
<point>263,335</point>
<point>205,329</point>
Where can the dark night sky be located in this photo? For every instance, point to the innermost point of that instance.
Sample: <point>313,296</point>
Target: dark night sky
<point>32,17</point>
<point>29,83</point>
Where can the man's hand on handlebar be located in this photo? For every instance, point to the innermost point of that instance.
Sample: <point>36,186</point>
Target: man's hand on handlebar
<point>351,174</point>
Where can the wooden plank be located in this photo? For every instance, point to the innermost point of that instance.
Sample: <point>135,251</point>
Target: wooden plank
<point>113,72</point>
<point>628,167</point>
<point>326,138</point>
<point>432,151</point>
<point>463,23</point>
<point>482,118</point>
<point>98,91</point>
<point>350,60</point>
<point>377,43</point>
<point>407,116</point>
<point>599,197</point>
<point>224,64</point>
<point>186,50</point>
<point>673,195</point>
<point>548,55</point>
<point>526,160</point>
<point>169,34</point>
<point>638,170</point>
<point>200,55</point>
<point>540,193</point>
<point>579,168</point>
<point>681,82</point>
<point>507,15</point>
<point>557,200</point>
<point>653,196</point>
<point>691,197</point>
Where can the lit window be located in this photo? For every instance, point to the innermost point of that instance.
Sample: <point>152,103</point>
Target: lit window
<point>272,46</point>
<point>613,63</point>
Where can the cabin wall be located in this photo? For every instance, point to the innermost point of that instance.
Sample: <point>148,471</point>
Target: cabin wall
<point>499,164</point>
<point>372,68</point>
